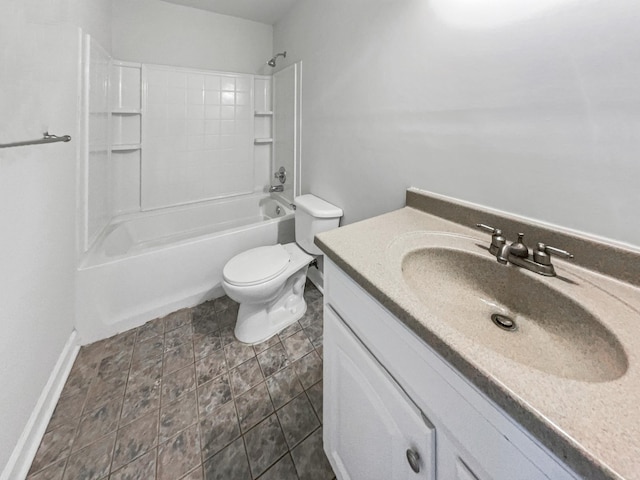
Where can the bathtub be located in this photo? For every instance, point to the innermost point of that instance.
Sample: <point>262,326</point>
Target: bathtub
<point>149,264</point>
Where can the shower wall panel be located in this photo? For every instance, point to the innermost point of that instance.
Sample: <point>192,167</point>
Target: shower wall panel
<point>98,200</point>
<point>263,128</point>
<point>286,130</point>
<point>197,136</point>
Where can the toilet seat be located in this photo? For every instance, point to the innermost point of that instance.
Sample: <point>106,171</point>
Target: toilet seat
<point>256,266</point>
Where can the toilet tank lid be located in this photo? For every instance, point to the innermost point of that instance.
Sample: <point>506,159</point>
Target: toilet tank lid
<point>317,207</point>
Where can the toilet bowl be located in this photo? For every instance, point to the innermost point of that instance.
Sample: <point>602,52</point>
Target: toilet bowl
<point>268,282</point>
<point>270,298</point>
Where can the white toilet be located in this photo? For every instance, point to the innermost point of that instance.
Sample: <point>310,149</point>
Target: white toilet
<point>268,282</point>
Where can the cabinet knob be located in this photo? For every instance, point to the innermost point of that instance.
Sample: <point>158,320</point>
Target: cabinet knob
<point>414,460</point>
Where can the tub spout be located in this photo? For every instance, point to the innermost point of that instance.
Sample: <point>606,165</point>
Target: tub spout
<point>276,188</point>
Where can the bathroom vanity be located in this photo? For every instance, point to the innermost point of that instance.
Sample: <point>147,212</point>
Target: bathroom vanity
<point>417,387</point>
<point>389,396</point>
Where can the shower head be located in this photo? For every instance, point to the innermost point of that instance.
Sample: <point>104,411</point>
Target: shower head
<point>272,62</point>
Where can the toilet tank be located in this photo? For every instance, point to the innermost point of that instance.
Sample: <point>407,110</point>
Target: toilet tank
<point>314,215</point>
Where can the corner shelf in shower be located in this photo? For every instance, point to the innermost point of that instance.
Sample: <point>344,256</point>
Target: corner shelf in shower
<point>126,111</point>
<point>125,148</point>
<point>263,113</point>
<point>98,148</point>
<point>263,141</point>
<point>126,121</point>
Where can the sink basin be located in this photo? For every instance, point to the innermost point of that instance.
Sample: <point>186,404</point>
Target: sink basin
<point>523,316</point>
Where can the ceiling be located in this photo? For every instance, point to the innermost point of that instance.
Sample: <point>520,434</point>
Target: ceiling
<point>263,11</point>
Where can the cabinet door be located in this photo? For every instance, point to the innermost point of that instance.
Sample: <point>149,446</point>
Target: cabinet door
<point>372,429</point>
<point>485,455</point>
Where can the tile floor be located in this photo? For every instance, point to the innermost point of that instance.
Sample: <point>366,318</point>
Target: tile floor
<point>181,398</point>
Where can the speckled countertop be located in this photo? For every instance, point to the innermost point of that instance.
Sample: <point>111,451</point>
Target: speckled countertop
<point>592,425</point>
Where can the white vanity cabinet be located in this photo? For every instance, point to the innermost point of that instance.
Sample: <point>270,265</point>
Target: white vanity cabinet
<point>386,392</point>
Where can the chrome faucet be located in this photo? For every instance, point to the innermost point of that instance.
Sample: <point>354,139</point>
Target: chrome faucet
<point>276,188</point>
<point>518,253</point>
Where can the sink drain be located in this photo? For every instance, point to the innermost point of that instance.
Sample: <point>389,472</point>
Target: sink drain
<point>504,322</point>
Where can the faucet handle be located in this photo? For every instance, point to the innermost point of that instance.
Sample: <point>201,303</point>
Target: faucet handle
<point>497,240</point>
<point>558,252</point>
<point>281,175</point>
<point>543,254</point>
<point>489,228</point>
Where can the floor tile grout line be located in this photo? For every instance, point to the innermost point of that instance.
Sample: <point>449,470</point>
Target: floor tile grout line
<point>190,472</point>
<point>285,442</point>
<point>271,465</point>
<point>102,437</point>
<point>57,459</point>
<point>312,405</point>
<point>206,459</point>
<point>76,430</point>
<point>233,399</point>
<point>255,426</point>
<point>157,442</point>
<point>160,404</point>
<point>199,445</point>
<point>226,368</point>
<point>302,440</point>
<point>198,419</point>
<point>235,404</point>
<point>65,458</point>
<point>124,395</point>
<point>246,450</point>
<point>119,423</point>
<point>275,412</point>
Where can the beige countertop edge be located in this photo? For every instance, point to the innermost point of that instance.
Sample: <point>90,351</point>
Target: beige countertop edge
<point>335,244</point>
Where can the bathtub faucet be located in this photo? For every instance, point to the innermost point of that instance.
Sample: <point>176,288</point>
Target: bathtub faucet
<point>276,188</point>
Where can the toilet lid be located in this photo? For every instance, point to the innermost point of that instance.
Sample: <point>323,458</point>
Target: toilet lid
<point>257,265</point>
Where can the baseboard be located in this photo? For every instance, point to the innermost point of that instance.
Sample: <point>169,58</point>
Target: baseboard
<point>23,454</point>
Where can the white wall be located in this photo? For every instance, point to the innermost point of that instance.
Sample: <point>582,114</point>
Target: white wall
<point>151,31</point>
<point>39,68</point>
<point>93,16</point>
<point>531,107</point>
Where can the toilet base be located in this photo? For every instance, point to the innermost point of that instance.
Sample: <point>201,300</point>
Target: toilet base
<point>257,322</point>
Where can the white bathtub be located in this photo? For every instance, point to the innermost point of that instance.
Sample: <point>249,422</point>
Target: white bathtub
<point>149,264</point>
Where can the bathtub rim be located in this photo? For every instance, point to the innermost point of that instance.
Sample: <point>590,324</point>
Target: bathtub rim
<point>91,258</point>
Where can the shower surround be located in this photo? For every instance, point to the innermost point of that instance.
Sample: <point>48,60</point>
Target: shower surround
<point>181,187</point>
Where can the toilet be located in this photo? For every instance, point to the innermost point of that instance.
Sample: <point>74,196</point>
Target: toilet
<point>268,282</point>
